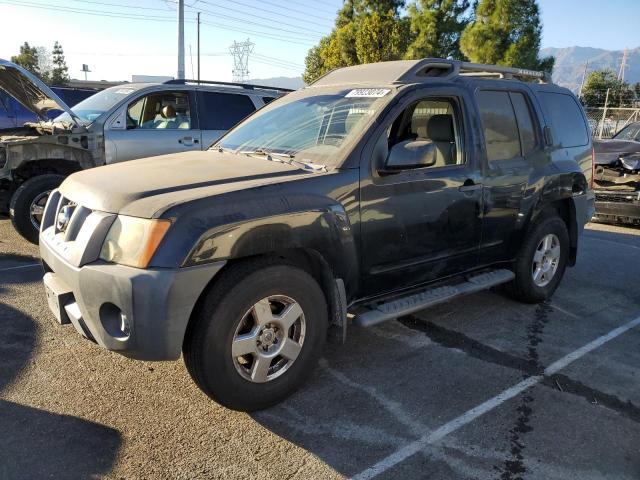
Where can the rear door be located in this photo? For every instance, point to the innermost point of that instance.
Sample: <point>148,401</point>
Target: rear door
<point>157,123</point>
<point>219,111</point>
<point>513,151</point>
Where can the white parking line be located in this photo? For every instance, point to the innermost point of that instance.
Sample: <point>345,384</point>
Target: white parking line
<point>467,417</point>
<point>19,267</point>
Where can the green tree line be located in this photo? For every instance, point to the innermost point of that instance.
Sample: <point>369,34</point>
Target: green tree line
<point>49,67</point>
<point>502,32</point>
<point>598,82</point>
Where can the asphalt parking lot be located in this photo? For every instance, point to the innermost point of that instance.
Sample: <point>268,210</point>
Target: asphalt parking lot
<point>480,388</point>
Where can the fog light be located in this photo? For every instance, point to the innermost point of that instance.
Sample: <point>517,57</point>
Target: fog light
<point>115,322</point>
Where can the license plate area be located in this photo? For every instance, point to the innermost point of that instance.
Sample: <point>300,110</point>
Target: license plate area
<point>58,295</point>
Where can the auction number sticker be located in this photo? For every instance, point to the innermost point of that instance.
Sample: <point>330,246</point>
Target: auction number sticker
<point>368,92</point>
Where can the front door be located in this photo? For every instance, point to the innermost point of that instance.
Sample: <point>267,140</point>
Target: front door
<point>424,222</point>
<point>156,124</point>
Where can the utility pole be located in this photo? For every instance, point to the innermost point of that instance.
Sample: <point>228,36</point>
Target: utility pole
<point>604,114</point>
<point>198,47</point>
<point>584,75</point>
<point>180,39</point>
<point>623,66</point>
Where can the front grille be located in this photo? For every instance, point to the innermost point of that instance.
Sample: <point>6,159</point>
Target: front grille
<point>618,197</point>
<point>65,216</point>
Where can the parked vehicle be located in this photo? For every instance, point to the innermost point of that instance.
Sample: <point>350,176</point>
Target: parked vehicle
<point>13,114</point>
<point>120,123</point>
<point>617,176</point>
<point>379,190</point>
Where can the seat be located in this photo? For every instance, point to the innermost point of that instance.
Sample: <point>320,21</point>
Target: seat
<point>440,131</point>
<point>168,114</point>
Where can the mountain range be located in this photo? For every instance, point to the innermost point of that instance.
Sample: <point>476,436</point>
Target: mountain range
<point>570,63</point>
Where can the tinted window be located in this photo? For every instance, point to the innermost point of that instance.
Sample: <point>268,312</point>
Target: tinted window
<point>499,126</point>
<point>567,123</point>
<point>525,122</point>
<point>221,111</point>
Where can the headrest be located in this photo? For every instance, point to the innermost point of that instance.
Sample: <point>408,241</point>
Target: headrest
<point>168,112</point>
<point>440,128</point>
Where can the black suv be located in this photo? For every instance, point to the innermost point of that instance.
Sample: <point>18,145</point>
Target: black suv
<point>378,190</point>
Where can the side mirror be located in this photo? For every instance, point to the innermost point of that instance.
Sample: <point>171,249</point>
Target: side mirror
<point>411,154</point>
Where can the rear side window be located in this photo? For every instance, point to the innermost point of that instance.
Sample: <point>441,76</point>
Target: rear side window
<point>525,122</point>
<point>221,111</point>
<point>567,123</point>
<point>499,125</point>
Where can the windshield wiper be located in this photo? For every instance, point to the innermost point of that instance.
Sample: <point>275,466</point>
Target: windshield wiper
<point>285,158</point>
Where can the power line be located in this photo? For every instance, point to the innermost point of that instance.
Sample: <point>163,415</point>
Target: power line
<point>259,34</point>
<point>275,59</point>
<point>287,8</point>
<point>283,67</point>
<point>266,10</point>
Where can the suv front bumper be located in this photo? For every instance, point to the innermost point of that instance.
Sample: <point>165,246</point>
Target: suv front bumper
<point>140,313</point>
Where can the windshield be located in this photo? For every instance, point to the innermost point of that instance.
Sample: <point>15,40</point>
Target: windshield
<point>630,132</point>
<point>91,108</point>
<point>316,127</point>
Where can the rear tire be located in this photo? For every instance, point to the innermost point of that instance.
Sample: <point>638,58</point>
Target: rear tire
<point>29,199</point>
<point>540,266</point>
<point>232,317</point>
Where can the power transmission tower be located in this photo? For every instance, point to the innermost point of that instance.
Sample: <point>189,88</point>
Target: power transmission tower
<point>241,52</point>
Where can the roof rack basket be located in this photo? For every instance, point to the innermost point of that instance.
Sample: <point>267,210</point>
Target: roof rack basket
<point>247,86</point>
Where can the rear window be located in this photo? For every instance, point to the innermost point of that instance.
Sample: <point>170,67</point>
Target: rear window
<point>567,122</point>
<point>499,125</point>
<point>221,111</point>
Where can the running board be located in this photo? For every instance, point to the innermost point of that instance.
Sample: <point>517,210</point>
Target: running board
<point>432,296</point>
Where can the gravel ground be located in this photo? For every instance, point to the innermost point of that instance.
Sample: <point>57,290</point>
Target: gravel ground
<point>428,396</point>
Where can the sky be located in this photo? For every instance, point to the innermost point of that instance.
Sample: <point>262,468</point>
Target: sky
<point>120,38</point>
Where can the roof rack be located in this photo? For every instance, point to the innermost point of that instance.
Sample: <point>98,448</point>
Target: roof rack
<point>417,71</point>
<point>247,86</point>
<point>436,67</point>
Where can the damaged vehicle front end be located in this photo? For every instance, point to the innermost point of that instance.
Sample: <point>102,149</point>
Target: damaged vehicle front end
<point>617,177</point>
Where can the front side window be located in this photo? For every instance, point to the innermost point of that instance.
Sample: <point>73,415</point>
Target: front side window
<point>315,125</point>
<point>160,111</point>
<point>501,138</point>
<point>431,125</point>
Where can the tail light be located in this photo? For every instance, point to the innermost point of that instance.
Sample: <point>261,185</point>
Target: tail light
<point>593,167</point>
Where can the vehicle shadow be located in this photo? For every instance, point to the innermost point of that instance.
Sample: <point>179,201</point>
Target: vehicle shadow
<point>39,444</point>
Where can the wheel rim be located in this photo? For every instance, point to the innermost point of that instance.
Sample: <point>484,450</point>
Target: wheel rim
<point>36,209</point>
<point>546,259</point>
<point>268,339</point>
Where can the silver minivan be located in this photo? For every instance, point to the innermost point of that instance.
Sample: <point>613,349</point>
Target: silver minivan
<point>120,123</point>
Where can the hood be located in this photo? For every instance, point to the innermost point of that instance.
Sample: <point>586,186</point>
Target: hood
<point>609,151</point>
<point>147,187</point>
<point>30,91</point>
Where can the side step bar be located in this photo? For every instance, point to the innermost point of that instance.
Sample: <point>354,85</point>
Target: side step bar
<point>432,296</point>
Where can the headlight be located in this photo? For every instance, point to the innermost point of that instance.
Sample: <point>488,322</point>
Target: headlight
<point>133,241</point>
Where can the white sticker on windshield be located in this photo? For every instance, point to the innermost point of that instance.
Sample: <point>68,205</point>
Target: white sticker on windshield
<point>125,91</point>
<point>368,92</point>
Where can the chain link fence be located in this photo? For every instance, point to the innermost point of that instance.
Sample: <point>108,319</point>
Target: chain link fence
<point>606,122</point>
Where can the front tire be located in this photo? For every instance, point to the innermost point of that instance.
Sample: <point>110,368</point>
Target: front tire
<point>28,202</point>
<point>256,335</point>
<point>541,261</point>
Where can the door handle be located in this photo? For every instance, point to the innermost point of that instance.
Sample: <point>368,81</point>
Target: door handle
<point>186,141</point>
<point>470,186</point>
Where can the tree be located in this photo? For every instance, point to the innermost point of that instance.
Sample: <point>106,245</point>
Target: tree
<point>505,32</point>
<point>594,91</point>
<point>60,72</point>
<point>28,58</point>
<point>436,26</point>
<point>365,31</point>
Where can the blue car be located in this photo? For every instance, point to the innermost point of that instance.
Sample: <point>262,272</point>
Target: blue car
<point>13,114</point>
